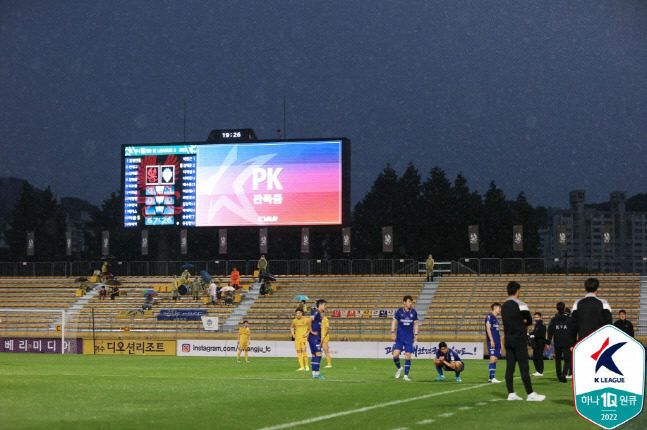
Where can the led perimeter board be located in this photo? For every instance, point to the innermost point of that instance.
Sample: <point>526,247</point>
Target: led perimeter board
<point>260,183</point>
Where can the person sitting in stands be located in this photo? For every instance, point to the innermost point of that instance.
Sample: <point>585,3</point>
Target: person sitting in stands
<point>102,293</point>
<point>148,304</point>
<point>229,298</point>
<point>114,292</point>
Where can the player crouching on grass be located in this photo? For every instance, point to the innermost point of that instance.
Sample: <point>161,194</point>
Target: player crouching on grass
<point>446,359</point>
<point>406,321</point>
<point>314,338</point>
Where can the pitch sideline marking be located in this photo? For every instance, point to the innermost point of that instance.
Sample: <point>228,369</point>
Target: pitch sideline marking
<point>379,405</point>
<point>369,408</point>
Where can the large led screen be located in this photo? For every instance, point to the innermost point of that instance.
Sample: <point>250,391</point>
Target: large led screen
<point>235,184</point>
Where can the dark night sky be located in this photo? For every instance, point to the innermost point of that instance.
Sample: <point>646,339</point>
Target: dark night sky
<point>544,97</point>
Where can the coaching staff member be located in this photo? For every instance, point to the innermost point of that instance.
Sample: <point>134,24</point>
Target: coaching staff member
<point>589,313</point>
<point>516,317</point>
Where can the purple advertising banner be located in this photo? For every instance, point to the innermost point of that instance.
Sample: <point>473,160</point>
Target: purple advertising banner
<point>43,345</point>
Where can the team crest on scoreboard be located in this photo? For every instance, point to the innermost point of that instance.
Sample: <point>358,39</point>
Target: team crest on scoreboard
<point>609,377</point>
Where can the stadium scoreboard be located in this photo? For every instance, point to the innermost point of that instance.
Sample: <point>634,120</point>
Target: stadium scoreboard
<point>256,183</point>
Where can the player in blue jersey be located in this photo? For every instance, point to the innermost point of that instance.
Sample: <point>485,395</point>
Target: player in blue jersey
<point>405,320</point>
<point>314,338</point>
<point>446,359</point>
<point>493,339</point>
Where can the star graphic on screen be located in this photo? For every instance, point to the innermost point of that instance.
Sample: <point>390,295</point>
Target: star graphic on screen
<point>244,208</point>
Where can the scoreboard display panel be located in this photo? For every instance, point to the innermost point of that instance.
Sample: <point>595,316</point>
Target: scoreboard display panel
<point>261,183</point>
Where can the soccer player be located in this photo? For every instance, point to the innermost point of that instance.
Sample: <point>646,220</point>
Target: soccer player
<point>325,338</point>
<point>589,313</point>
<point>299,330</point>
<point>314,338</point>
<point>446,359</point>
<point>493,339</point>
<point>243,341</point>
<point>559,329</point>
<point>538,339</point>
<point>406,321</point>
<point>516,317</point>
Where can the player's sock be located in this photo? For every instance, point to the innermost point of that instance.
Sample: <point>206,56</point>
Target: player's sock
<point>238,355</point>
<point>492,368</point>
<point>246,355</point>
<point>458,373</point>
<point>397,362</point>
<point>407,366</point>
<point>315,364</point>
<point>305,359</point>
<point>300,357</point>
<point>328,360</point>
<point>440,370</point>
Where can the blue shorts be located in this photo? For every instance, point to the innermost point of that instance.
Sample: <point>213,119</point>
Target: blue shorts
<point>403,346</point>
<point>496,351</point>
<point>451,370</point>
<point>315,344</point>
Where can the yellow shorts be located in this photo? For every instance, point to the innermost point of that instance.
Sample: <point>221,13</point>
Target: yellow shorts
<point>243,345</point>
<point>300,344</point>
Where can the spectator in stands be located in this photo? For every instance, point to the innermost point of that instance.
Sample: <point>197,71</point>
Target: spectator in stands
<point>185,278</point>
<point>235,278</point>
<point>262,266</point>
<point>229,298</point>
<point>589,313</point>
<point>429,265</point>
<point>538,341</point>
<point>218,292</point>
<point>212,293</point>
<point>174,288</point>
<point>196,286</point>
<point>105,270</point>
<point>102,293</point>
<point>559,328</point>
<point>148,303</point>
<point>83,287</point>
<point>624,324</point>
<point>114,292</point>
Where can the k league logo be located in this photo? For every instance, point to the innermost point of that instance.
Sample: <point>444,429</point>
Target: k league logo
<point>608,377</point>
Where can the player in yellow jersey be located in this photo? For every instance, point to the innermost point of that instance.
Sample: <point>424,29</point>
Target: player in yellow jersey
<point>325,337</point>
<point>299,329</point>
<point>243,341</point>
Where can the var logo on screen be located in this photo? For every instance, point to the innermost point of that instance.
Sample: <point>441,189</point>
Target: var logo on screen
<point>609,377</point>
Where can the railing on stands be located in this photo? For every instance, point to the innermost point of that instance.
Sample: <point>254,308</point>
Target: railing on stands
<point>485,266</point>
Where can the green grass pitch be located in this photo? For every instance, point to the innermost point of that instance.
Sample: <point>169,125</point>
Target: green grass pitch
<point>41,391</point>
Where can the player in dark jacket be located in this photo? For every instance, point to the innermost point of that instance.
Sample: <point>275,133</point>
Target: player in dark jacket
<point>559,328</point>
<point>624,324</point>
<point>538,337</point>
<point>589,313</point>
<point>516,317</point>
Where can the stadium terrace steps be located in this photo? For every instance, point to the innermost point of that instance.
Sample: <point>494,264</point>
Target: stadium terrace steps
<point>461,306</point>
<point>458,304</point>
<point>361,297</point>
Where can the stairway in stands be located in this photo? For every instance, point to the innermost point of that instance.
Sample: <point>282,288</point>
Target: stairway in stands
<point>425,298</point>
<point>239,312</point>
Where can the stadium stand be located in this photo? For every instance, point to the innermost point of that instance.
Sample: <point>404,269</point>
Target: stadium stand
<point>356,304</point>
<point>461,302</point>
